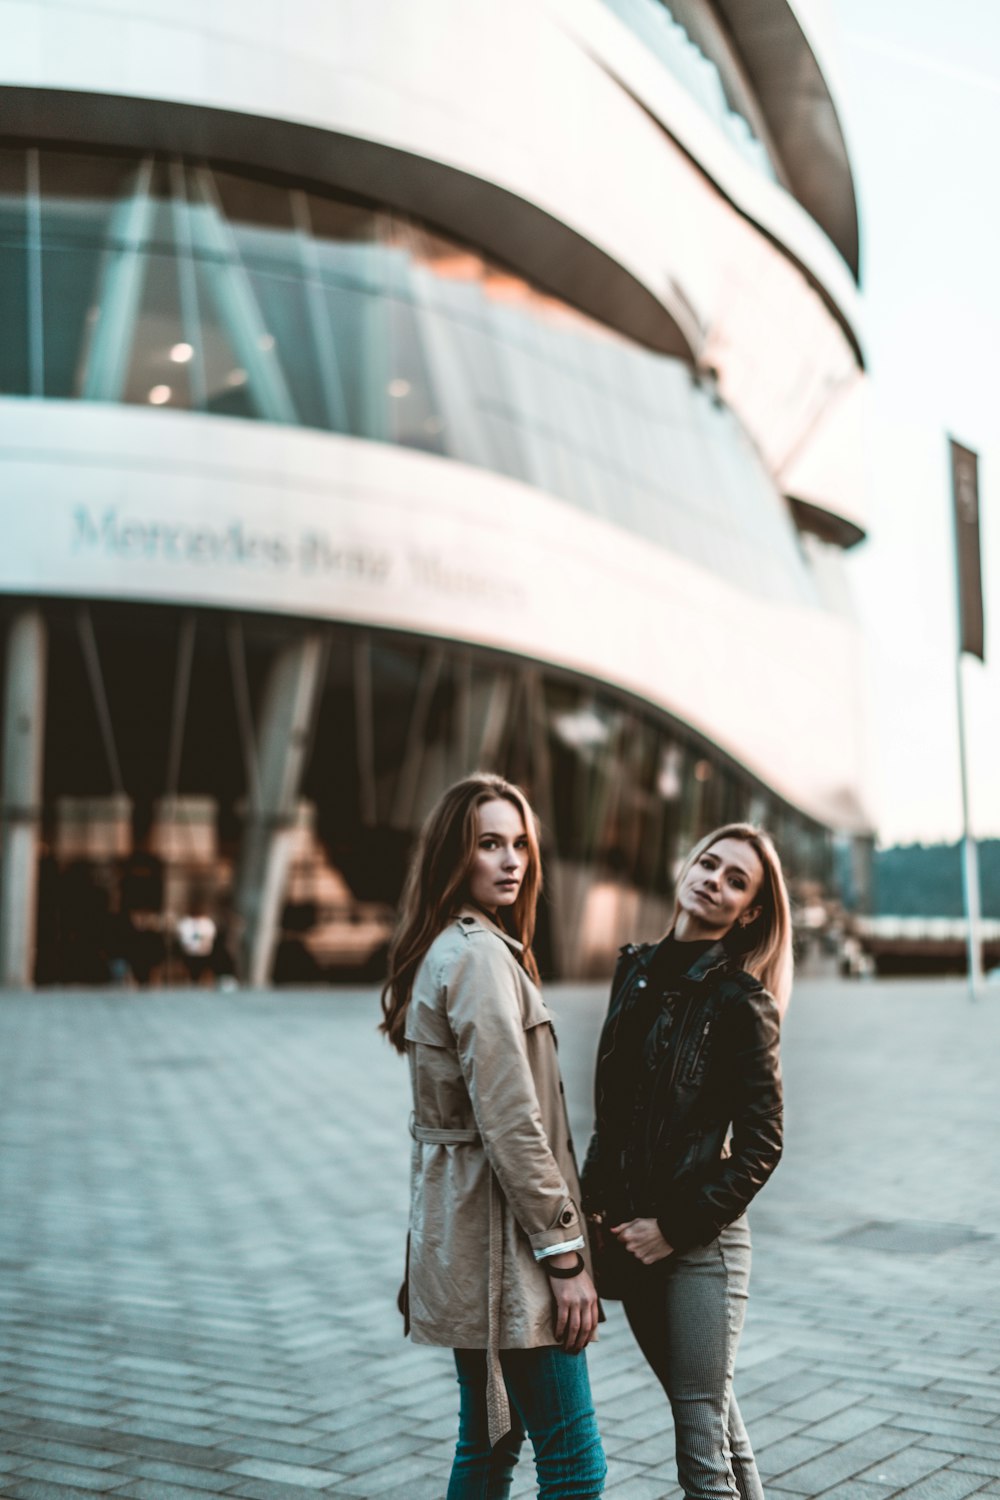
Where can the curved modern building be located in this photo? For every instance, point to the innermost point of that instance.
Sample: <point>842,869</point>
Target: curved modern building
<point>388,390</point>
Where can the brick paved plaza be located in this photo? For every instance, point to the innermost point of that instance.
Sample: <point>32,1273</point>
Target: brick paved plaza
<point>202,1211</point>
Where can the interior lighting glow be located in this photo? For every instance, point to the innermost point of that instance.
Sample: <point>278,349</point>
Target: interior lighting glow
<point>181,353</point>
<point>398,388</point>
<point>266,341</point>
<point>159,395</point>
<point>581,729</point>
<point>668,783</point>
<point>236,377</point>
<point>703,770</point>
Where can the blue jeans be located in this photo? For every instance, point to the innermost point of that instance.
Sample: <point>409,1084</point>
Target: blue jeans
<point>550,1400</point>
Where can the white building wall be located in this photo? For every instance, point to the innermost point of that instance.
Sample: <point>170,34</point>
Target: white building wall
<point>104,502</point>
<point>556,103</point>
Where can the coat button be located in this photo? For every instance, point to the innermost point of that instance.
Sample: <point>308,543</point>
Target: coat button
<point>468,921</point>
<point>566,1217</point>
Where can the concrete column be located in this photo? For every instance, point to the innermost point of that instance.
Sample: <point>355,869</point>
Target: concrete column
<point>21,795</point>
<point>289,706</point>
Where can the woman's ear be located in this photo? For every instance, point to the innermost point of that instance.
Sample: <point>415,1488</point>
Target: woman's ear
<point>749,916</point>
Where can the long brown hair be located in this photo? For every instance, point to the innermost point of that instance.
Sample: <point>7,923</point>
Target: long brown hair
<point>769,954</point>
<point>437,884</point>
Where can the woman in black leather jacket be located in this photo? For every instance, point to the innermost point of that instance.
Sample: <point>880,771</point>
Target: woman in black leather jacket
<point>688,1129</point>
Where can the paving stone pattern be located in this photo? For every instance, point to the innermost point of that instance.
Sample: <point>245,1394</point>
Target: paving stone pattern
<point>202,1214</point>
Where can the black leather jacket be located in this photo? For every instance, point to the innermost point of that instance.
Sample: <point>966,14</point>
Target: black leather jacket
<point>672,1076</point>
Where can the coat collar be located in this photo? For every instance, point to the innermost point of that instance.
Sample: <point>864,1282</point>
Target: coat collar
<point>468,914</point>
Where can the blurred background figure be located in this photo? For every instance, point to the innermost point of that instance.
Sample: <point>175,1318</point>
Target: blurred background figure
<point>196,937</point>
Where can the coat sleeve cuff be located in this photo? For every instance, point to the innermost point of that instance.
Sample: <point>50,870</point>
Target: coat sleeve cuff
<point>563,1234</point>
<point>560,1249</point>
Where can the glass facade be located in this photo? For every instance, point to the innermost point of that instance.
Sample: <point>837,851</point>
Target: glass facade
<point>179,285</point>
<point>655,23</point>
<point>147,782</point>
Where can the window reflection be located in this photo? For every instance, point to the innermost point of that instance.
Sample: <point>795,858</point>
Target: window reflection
<point>298,308</point>
<point>621,790</point>
<point>153,376</point>
<point>82,197</point>
<point>654,22</point>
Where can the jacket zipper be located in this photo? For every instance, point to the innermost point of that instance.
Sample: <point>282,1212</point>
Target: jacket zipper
<point>668,1068</point>
<point>698,1050</point>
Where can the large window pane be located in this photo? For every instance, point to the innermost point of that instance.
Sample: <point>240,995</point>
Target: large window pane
<point>286,313</point>
<point>13,197</point>
<point>71,308</point>
<point>14,366</point>
<point>359,348</point>
<point>226,366</point>
<point>82,196</point>
<point>261,223</point>
<point>15,378</point>
<point>159,372</point>
<point>176,283</point>
<point>414,412</point>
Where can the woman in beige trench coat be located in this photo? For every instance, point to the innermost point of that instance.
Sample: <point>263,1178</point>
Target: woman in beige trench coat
<point>497,1265</point>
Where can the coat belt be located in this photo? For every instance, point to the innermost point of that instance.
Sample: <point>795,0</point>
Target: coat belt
<point>431,1136</point>
<point>497,1402</point>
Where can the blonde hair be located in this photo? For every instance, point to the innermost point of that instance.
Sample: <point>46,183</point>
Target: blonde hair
<point>768,956</point>
<point>437,884</point>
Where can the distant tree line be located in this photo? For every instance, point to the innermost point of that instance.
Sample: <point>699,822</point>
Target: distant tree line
<point>925,880</point>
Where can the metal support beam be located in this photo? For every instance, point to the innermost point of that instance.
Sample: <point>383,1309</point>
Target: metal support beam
<point>284,737</point>
<point>21,796</point>
<point>118,296</point>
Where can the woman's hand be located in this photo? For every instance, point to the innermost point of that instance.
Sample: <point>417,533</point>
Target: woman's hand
<point>576,1307</point>
<point>643,1239</point>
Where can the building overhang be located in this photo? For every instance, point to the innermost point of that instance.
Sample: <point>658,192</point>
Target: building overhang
<point>800,112</point>
<point>540,246</point>
<point>840,530</point>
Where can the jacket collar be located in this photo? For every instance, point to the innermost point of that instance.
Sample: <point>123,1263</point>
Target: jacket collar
<point>716,957</point>
<point>707,962</point>
<point>468,913</point>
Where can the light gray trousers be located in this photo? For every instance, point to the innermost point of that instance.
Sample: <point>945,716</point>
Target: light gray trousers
<point>687,1317</point>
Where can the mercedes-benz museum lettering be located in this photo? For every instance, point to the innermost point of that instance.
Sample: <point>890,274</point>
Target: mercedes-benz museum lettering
<point>392,390</point>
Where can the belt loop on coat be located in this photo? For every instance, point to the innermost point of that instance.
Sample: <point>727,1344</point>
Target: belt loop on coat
<point>497,1403</point>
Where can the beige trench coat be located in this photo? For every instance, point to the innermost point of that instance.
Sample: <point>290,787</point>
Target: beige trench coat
<point>493,1173</point>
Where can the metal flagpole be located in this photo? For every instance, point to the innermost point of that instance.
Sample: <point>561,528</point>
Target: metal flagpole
<point>971,639</point>
<point>970,854</point>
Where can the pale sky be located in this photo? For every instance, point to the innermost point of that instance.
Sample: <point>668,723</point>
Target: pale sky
<point>918,86</point>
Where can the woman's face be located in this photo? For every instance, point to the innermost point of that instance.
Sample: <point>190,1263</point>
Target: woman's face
<point>502,854</point>
<point>719,890</point>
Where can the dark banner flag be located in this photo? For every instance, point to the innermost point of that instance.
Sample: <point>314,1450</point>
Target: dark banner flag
<point>965,493</point>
